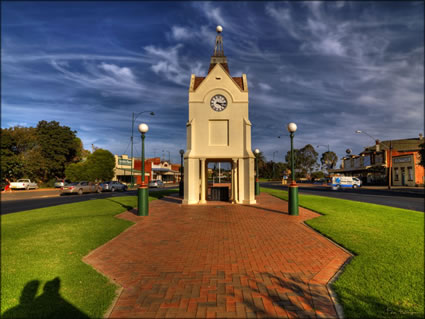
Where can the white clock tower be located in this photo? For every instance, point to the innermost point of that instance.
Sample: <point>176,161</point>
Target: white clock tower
<point>218,130</point>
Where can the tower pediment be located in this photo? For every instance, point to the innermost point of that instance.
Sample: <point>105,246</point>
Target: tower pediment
<point>218,72</point>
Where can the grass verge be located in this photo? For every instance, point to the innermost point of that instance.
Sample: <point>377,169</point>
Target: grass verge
<point>42,274</point>
<point>386,277</point>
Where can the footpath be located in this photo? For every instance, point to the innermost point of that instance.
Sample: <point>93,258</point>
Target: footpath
<point>220,261</point>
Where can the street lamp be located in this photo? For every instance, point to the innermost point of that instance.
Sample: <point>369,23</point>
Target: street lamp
<point>181,185</point>
<point>143,191</point>
<point>133,119</point>
<point>390,160</point>
<point>293,188</point>
<point>257,182</point>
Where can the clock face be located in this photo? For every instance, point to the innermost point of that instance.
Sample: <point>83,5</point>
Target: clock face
<point>218,103</point>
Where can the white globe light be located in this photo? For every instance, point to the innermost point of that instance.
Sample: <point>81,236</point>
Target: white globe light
<point>219,29</point>
<point>292,127</point>
<point>143,128</point>
<point>257,151</point>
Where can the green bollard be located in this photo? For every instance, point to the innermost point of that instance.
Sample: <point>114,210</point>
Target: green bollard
<point>293,200</point>
<point>143,201</point>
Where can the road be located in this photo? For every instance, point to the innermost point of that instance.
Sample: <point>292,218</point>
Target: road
<point>18,201</point>
<point>24,200</point>
<point>394,198</point>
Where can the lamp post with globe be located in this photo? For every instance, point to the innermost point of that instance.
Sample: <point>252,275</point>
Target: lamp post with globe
<point>293,188</point>
<point>134,117</point>
<point>257,182</point>
<point>143,191</point>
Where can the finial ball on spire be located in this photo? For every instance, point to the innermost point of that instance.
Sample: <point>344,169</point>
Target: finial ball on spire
<point>219,29</point>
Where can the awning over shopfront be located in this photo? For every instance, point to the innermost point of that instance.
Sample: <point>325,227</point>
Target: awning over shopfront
<point>127,171</point>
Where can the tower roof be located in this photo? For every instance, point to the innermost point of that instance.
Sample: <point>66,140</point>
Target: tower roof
<point>218,57</point>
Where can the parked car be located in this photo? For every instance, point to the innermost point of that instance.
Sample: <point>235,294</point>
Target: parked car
<point>156,183</point>
<point>23,184</point>
<point>80,188</point>
<point>61,183</point>
<point>113,186</point>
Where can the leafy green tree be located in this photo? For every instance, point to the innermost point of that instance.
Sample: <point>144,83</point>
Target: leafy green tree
<point>279,170</point>
<point>10,164</point>
<point>25,138</point>
<point>328,160</point>
<point>76,172</point>
<point>99,166</point>
<point>40,153</point>
<point>422,154</point>
<point>305,160</point>
<point>59,147</point>
<point>35,165</point>
<point>317,175</point>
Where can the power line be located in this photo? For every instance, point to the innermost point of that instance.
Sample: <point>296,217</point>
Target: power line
<point>128,145</point>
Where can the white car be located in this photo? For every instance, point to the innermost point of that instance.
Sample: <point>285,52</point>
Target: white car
<point>339,182</point>
<point>23,184</point>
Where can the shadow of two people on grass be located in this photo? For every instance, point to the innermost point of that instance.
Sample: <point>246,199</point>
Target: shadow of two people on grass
<point>50,304</point>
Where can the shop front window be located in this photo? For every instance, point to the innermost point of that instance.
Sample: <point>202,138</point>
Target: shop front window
<point>410,173</point>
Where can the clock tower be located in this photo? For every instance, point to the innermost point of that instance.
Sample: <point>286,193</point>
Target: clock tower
<point>218,130</point>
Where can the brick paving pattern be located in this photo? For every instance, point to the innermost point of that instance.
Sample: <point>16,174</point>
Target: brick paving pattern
<point>220,261</point>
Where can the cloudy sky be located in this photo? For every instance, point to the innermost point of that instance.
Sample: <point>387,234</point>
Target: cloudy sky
<point>330,67</point>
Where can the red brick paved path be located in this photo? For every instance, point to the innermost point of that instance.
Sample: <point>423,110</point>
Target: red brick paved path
<point>220,260</point>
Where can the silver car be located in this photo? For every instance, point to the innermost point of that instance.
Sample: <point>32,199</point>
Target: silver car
<point>113,186</point>
<point>80,188</point>
<point>156,183</point>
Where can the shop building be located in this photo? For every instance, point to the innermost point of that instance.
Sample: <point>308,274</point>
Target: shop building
<point>374,164</point>
<point>154,169</point>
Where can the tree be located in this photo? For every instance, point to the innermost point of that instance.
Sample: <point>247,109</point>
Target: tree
<point>317,175</point>
<point>328,160</point>
<point>39,153</point>
<point>99,166</point>
<point>11,166</point>
<point>305,160</point>
<point>76,172</point>
<point>58,145</point>
<point>422,154</point>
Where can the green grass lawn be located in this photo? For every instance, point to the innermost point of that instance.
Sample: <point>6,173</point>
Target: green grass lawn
<point>42,251</point>
<point>386,277</point>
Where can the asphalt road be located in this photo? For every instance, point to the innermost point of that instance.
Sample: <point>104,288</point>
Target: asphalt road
<point>413,201</point>
<point>26,200</point>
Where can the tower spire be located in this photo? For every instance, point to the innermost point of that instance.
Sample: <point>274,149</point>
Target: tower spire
<point>218,56</point>
<point>218,49</point>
